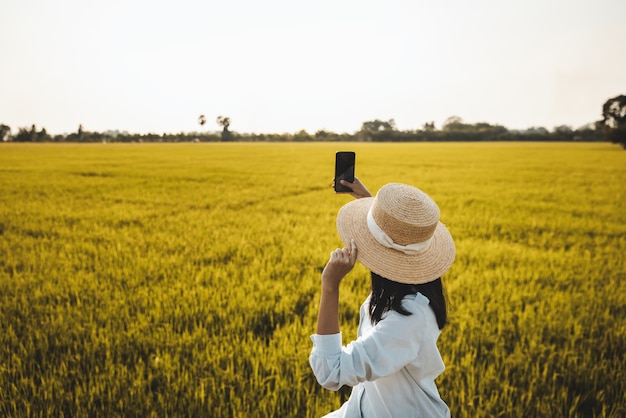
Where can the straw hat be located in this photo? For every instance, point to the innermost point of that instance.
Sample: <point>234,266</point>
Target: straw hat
<point>398,234</point>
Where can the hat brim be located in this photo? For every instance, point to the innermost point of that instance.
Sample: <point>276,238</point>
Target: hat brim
<point>387,262</point>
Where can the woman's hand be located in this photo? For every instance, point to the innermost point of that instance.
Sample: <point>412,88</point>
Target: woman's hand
<point>341,261</point>
<point>358,189</point>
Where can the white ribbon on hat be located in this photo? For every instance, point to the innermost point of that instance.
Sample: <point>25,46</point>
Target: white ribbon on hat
<point>386,241</point>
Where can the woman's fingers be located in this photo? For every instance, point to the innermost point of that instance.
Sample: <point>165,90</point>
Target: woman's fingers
<point>340,254</point>
<point>347,254</point>
<point>353,251</point>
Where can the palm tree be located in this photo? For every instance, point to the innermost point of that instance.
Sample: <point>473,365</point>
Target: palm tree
<point>224,122</point>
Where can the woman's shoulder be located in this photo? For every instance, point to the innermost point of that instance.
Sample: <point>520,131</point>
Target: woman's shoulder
<point>415,303</point>
<point>419,307</point>
<point>415,300</point>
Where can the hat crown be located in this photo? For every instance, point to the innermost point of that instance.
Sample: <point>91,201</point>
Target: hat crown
<point>398,234</point>
<point>405,213</point>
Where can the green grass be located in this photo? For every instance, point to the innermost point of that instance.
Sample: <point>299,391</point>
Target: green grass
<point>183,279</point>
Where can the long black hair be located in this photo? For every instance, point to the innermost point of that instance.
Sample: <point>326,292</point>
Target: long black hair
<point>387,295</point>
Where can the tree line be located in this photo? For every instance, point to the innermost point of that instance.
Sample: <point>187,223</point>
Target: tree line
<point>611,128</point>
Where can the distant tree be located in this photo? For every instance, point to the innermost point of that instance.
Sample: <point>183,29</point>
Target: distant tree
<point>614,120</point>
<point>614,112</point>
<point>534,130</point>
<point>22,135</point>
<point>565,129</point>
<point>377,130</point>
<point>589,132</point>
<point>302,136</point>
<point>453,123</point>
<point>429,126</point>
<point>378,125</point>
<point>42,136</point>
<point>488,132</point>
<point>322,135</point>
<point>201,120</point>
<point>5,132</point>
<point>224,122</point>
<point>563,133</point>
<point>26,135</point>
<point>78,136</point>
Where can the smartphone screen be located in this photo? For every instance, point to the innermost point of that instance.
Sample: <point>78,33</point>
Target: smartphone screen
<point>344,170</point>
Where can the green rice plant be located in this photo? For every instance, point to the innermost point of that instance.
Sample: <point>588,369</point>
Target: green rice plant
<point>183,279</point>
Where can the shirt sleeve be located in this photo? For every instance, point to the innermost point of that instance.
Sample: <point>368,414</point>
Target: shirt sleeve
<point>392,344</point>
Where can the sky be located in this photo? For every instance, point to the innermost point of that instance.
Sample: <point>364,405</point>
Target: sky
<point>281,66</point>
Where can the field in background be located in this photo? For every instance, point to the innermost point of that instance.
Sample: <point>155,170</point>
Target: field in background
<point>182,279</point>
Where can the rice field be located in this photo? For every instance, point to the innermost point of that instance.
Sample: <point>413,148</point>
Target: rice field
<point>182,280</point>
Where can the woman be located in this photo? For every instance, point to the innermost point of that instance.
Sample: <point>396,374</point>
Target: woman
<point>393,364</point>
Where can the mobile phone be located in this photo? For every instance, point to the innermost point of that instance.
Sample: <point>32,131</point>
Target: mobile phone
<point>344,170</point>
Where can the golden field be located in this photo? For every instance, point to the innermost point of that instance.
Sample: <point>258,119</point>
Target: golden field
<point>182,280</point>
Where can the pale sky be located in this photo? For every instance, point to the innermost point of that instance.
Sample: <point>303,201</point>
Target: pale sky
<point>279,66</point>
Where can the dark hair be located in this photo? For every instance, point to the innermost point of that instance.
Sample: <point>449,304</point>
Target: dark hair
<point>387,295</point>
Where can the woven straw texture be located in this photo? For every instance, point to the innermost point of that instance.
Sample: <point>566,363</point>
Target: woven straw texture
<point>408,216</point>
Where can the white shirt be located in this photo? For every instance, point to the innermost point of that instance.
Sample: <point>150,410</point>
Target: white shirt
<point>391,366</point>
